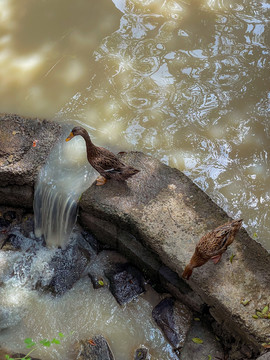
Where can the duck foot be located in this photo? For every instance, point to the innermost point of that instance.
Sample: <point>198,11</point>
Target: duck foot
<point>101,181</point>
<point>216,259</point>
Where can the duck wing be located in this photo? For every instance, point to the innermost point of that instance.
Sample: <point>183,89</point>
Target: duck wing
<point>105,162</point>
<point>215,242</point>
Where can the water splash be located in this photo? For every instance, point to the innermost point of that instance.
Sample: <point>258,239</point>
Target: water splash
<point>65,176</point>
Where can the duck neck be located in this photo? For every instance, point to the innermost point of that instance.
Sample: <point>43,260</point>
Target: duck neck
<point>91,149</point>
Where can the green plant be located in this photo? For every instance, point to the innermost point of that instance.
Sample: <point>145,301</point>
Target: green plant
<point>30,344</point>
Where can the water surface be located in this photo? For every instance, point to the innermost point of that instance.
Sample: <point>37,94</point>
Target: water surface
<point>185,81</point>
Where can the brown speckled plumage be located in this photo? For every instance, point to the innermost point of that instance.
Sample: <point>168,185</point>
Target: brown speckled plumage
<point>213,245</point>
<point>103,160</point>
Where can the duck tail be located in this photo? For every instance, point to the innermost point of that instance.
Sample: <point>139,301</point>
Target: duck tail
<point>129,171</point>
<point>187,272</point>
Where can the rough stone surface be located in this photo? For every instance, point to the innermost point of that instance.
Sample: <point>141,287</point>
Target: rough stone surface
<point>264,357</point>
<point>174,319</point>
<point>167,213</point>
<point>210,346</point>
<point>126,283</point>
<point>20,161</point>
<point>96,348</point>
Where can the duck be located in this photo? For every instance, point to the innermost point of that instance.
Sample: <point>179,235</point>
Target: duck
<point>213,245</point>
<point>102,160</point>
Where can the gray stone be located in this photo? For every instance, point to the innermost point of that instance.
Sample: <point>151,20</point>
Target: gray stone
<point>167,213</point>
<point>210,346</point>
<point>264,356</point>
<point>174,319</point>
<point>96,348</point>
<point>20,161</point>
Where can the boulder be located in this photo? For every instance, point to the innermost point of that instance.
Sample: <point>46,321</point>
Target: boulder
<point>96,348</point>
<point>126,283</point>
<point>174,319</point>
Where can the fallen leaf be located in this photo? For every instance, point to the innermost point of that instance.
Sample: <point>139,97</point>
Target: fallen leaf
<point>91,342</point>
<point>266,346</point>
<point>101,282</point>
<point>265,309</point>
<point>255,316</point>
<point>197,340</point>
<point>197,319</point>
<point>245,302</point>
<point>231,258</point>
<point>14,132</point>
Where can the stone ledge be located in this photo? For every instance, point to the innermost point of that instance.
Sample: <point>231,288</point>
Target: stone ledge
<point>167,213</point>
<point>20,161</point>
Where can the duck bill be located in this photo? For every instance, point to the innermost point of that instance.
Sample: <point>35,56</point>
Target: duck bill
<point>70,136</point>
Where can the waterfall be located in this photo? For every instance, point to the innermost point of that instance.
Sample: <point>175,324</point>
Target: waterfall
<point>61,181</point>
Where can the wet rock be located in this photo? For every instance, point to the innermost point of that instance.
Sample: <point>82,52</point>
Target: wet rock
<point>67,267</point>
<point>9,216</point>
<point>210,348</point>
<point>174,319</point>
<point>142,354</point>
<point>104,262</point>
<point>96,348</point>
<point>126,283</point>
<point>17,241</point>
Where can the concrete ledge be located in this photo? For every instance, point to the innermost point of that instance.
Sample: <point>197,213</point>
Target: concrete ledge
<point>167,214</point>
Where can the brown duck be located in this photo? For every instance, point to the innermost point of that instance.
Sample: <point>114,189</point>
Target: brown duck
<point>104,161</point>
<point>212,246</point>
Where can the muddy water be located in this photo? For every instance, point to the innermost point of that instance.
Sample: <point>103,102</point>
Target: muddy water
<point>81,313</point>
<point>186,81</point>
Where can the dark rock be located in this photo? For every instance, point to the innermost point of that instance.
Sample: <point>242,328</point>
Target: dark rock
<point>126,283</point>
<point>3,223</point>
<point>174,319</point>
<point>142,354</point>
<point>67,267</point>
<point>105,261</point>
<point>96,348</point>
<point>9,216</point>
